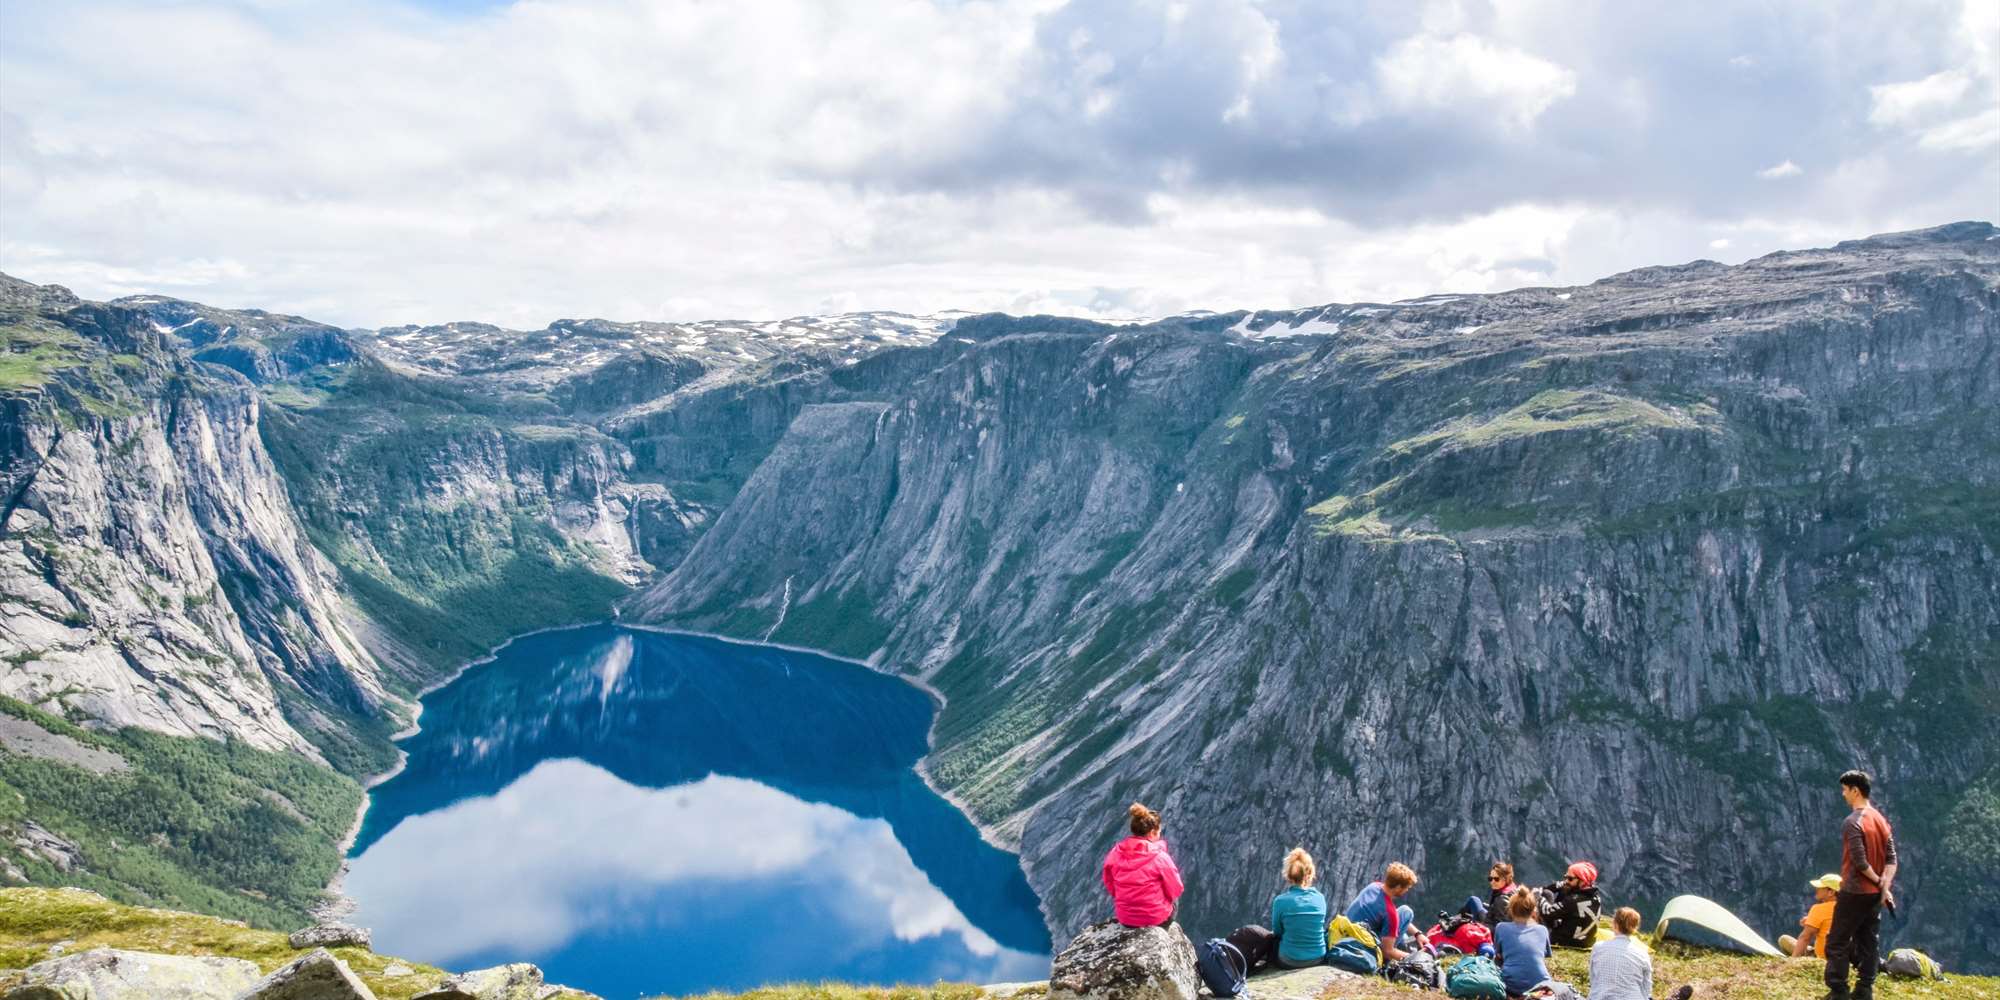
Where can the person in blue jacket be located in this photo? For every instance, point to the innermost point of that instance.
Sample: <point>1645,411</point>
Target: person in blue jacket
<point>1298,915</point>
<point>1523,944</point>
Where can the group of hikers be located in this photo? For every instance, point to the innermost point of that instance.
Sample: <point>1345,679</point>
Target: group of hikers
<point>1514,925</point>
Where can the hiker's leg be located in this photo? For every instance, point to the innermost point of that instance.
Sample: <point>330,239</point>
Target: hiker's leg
<point>1840,941</point>
<point>1867,948</point>
<point>1474,907</point>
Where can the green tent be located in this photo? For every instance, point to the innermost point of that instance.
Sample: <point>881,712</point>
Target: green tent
<point>1704,922</point>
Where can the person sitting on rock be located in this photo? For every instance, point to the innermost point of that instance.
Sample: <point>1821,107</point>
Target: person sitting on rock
<point>1298,915</point>
<point>1812,927</point>
<point>1140,875</point>
<point>1499,885</point>
<point>1523,945</point>
<point>1571,907</point>
<point>1375,908</point>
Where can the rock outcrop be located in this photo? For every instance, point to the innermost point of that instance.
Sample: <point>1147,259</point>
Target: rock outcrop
<point>112,974</point>
<point>519,981</point>
<point>333,935</point>
<point>317,975</point>
<point>1109,961</point>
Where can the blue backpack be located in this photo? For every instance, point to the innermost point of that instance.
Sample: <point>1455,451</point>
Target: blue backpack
<point>1352,955</point>
<point>1222,967</point>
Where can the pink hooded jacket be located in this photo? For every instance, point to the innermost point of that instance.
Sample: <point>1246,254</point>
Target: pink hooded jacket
<point>1143,881</point>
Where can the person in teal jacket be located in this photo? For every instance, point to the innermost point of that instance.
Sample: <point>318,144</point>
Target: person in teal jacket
<point>1298,915</point>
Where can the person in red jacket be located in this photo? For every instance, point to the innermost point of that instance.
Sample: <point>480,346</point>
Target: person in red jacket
<point>1867,868</point>
<point>1140,875</point>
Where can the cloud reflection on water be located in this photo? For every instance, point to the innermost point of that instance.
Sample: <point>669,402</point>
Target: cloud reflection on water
<point>569,850</point>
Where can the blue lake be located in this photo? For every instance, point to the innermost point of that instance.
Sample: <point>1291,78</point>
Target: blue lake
<point>641,813</point>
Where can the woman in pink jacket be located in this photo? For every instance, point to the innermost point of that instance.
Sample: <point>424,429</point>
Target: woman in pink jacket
<point>1141,876</point>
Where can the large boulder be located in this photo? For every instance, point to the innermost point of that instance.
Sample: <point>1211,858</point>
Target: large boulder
<point>1110,961</point>
<point>332,936</point>
<point>112,974</point>
<point>519,981</point>
<point>314,976</point>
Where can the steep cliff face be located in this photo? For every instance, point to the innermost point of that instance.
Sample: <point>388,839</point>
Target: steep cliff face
<point>1629,571</point>
<point>153,567</point>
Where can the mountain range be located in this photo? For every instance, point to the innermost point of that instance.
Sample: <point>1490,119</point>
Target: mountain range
<point>1626,571</point>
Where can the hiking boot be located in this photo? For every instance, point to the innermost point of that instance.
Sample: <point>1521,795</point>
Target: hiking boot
<point>1837,994</point>
<point>1681,994</point>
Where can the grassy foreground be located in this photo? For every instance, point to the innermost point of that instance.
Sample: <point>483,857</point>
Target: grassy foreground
<point>31,920</point>
<point>1715,975</point>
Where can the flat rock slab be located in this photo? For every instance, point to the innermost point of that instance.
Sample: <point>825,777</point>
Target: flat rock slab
<point>332,936</point>
<point>1294,984</point>
<point>112,974</point>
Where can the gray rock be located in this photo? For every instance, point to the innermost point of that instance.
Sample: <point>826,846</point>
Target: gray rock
<point>1109,961</point>
<point>331,936</point>
<point>314,976</point>
<point>398,970</point>
<point>519,981</point>
<point>112,974</point>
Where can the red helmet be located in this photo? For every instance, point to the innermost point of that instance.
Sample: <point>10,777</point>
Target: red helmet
<point>1585,873</point>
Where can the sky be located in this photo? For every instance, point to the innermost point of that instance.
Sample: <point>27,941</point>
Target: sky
<point>375,162</point>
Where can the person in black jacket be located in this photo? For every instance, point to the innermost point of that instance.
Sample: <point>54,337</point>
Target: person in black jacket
<point>1570,908</point>
<point>1493,909</point>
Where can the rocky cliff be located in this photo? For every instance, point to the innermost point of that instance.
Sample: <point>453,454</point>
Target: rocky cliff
<point>153,567</point>
<point>1628,571</point>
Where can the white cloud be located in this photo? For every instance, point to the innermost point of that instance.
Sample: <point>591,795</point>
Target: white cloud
<point>1918,100</point>
<point>1781,171</point>
<point>1954,110</point>
<point>1718,244</point>
<point>1429,72</point>
<point>371,163</point>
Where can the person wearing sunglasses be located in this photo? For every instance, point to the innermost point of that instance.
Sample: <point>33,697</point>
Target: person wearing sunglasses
<point>1499,886</point>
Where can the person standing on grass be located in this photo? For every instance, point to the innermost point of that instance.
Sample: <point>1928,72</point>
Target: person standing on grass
<point>1867,868</point>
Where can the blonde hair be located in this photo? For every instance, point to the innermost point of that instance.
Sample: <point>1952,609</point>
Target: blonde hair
<point>1299,868</point>
<point>1521,903</point>
<point>1144,820</point>
<point>1626,920</point>
<point>1399,876</point>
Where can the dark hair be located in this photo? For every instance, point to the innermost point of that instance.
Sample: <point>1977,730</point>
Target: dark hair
<point>1144,820</point>
<point>1857,780</point>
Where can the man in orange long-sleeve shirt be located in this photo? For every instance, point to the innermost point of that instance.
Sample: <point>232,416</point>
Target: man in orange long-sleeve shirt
<point>1867,867</point>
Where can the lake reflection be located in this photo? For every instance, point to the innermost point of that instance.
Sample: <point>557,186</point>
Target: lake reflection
<point>642,813</point>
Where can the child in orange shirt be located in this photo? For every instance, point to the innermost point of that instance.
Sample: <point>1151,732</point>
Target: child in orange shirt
<point>1812,928</point>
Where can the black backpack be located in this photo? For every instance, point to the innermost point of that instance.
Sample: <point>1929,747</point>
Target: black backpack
<point>1418,968</point>
<point>1222,967</point>
<point>1258,945</point>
